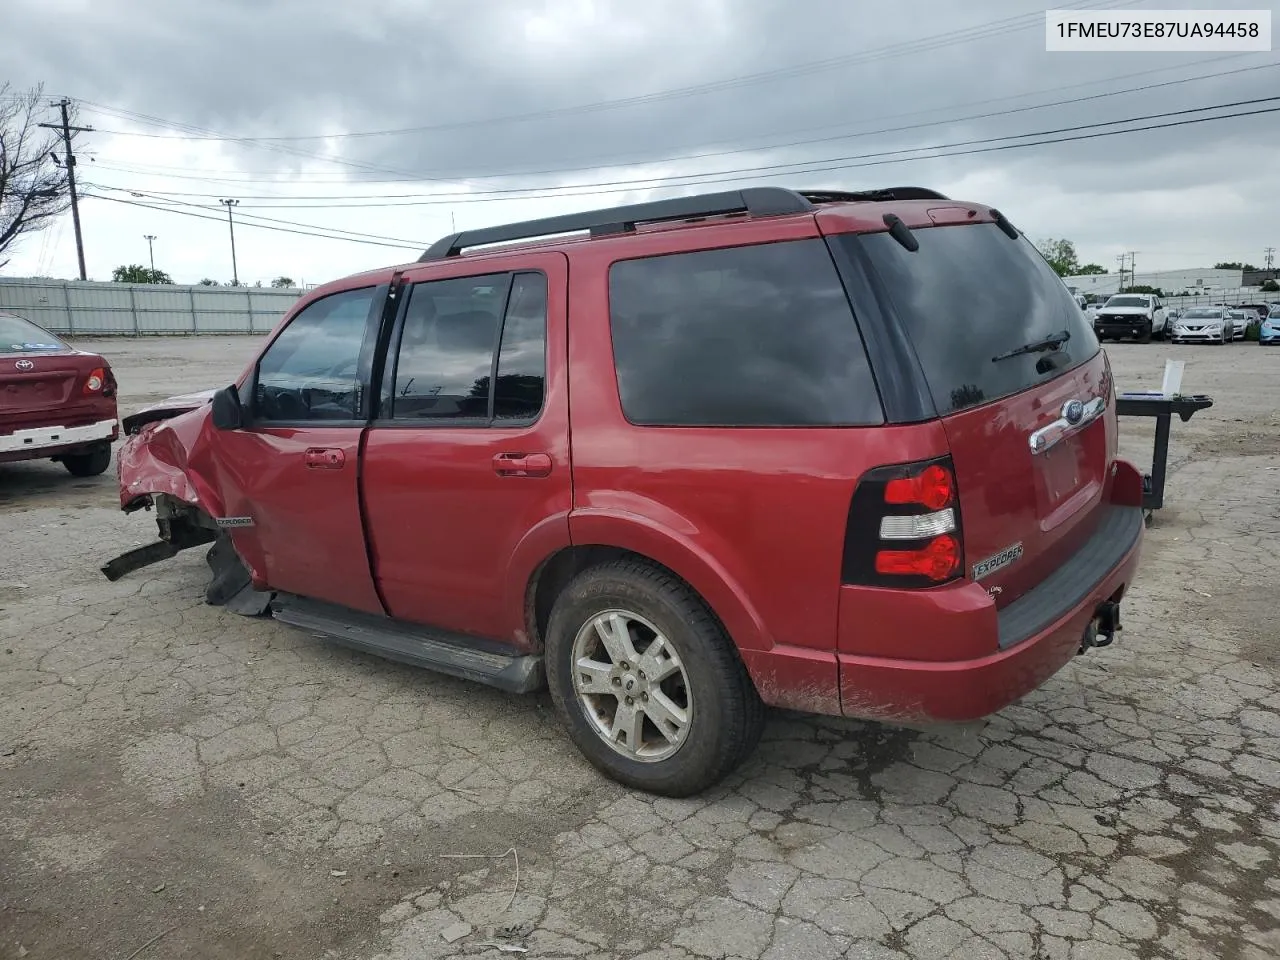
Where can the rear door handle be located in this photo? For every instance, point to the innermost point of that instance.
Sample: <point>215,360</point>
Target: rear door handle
<point>324,458</point>
<point>522,465</point>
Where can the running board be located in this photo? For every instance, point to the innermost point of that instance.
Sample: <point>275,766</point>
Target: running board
<point>469,658</point>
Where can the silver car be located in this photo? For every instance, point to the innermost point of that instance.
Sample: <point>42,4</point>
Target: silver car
<point>1204,325</point>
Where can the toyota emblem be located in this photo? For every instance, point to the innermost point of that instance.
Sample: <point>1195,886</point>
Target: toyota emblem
<point>1073,412</point>
<point>24,365</point>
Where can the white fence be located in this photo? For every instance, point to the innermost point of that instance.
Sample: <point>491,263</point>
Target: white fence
<point>87,308</point>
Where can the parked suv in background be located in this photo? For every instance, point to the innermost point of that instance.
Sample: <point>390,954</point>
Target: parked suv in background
<point>846,453</point>
<point>1137,315</point>
<point>56,402</point>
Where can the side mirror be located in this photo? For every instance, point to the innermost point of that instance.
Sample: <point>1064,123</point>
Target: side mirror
<point>228,414</point>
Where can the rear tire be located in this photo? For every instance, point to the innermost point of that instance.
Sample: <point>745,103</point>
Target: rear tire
<point>611,618</point>
<point>89,464</point>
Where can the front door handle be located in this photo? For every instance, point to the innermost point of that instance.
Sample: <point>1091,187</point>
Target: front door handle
<point>324,458</point>
<point>522,465</point>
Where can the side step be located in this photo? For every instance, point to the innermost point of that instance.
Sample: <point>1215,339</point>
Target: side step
<point>482,661</point>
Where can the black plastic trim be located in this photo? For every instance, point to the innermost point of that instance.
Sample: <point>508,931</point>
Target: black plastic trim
<point>895,366</point>
<point>470,658</point>
<point>753,201</point>
<point>872,196</point>
<point>1070,584</point>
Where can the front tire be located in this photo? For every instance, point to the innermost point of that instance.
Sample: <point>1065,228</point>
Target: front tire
<point>89,464</point>
<point>647,682</point>
<point>1145,335</point>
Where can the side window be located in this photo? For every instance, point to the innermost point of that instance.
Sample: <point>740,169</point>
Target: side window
<point>311,371</point>
<point>445,360</point>
<point>745,336</point>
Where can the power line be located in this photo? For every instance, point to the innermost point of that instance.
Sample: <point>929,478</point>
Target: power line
<point>985,145</point>
<point>987,30</point>
<point>795,143</point>
<point>260,226</point>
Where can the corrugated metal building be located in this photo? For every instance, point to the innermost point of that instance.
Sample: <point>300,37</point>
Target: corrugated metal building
<point>95,309</point>
<point>1172,282</point>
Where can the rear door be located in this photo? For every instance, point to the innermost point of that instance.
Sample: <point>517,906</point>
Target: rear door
<point>467,462</point>
<point>1032,434</point>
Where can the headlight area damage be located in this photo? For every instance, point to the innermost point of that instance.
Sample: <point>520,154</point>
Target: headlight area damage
<point>165,464</point>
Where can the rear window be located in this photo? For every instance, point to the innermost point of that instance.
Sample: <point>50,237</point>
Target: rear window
<point>22,336</point>
<point>755,336</point>
<point>970,294</point>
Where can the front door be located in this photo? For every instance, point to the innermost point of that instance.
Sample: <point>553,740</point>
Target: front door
<point>467,462</point>
<point>290,477</point>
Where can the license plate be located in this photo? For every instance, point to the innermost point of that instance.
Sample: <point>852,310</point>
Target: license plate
<point>1061,468</point>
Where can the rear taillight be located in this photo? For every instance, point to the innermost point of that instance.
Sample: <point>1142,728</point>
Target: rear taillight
<point>96,380</point>
<point>109,386</point>
<point>904,527</point>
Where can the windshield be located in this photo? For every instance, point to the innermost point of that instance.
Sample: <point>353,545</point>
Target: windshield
<point>22,336</point>
<point>1128,302</point>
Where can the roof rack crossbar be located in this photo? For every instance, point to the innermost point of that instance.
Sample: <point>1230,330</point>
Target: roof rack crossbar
<point>753,201</point>
<point>883,193</point>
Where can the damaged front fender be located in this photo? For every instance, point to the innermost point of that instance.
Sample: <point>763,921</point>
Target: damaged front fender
<point>167,463</point>
<point>168,450</point>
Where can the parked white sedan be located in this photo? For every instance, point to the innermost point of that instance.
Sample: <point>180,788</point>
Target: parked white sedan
<point>1204,325</point>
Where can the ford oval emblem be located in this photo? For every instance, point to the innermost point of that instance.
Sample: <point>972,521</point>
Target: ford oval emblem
<point>24,365</point>
<point>1073,412</point>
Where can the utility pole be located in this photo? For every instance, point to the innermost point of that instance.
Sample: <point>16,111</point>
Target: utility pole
<point>235,274</point>
<point>1270,254</point>
<point>1120,260</point>
<point>66,130</point>
<point>150,238</point>
<point>1133,268</point>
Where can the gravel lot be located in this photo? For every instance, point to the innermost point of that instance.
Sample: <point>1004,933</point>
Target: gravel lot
<point>241,790</point>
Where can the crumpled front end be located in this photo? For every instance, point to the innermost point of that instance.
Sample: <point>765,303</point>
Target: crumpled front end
<point>167,451</point>
<point>166,463</point>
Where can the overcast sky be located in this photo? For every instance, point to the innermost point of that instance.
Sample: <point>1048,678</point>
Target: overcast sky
<point>616,100</point>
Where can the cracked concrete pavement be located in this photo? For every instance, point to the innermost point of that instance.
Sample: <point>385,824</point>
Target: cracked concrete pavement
<point>240,789</point>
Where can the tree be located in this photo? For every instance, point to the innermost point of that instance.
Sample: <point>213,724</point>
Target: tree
<point>1061,255</point>
<point>282,282</point>
<point>1270,286</point>
<point>1091,269</point>
<point>33,183</point>
<point>206,282</point>
<point>1144,288</point>
<point>1234,265</point>
<point>136,273</point>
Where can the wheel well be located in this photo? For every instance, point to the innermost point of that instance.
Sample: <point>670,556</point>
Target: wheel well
<point>555,573</point>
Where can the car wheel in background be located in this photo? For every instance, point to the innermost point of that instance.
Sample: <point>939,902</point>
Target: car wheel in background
<point>88,464</point>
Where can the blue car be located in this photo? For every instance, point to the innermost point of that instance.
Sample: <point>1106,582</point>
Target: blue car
<point>1269,331</point>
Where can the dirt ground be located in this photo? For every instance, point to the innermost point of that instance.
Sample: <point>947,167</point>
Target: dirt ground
<point>177,781</point>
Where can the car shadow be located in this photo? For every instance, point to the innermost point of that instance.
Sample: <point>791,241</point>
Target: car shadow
<point>42,483</point>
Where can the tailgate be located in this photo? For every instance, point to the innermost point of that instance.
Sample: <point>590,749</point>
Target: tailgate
<point>1031,471</point>
<point>1008,357</point>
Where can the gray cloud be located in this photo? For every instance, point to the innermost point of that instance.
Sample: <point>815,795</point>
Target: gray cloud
<point>291,67</point>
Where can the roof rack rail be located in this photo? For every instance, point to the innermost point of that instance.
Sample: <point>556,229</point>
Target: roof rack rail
<point>753,201</point>
<point>864,196</point>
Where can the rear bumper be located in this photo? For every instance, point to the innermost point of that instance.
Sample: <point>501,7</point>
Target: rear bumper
<point>51,441</point>
<point>1036,636</point>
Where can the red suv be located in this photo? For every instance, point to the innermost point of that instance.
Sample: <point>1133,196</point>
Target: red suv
<point>846,453</point>
<point>56,402</point>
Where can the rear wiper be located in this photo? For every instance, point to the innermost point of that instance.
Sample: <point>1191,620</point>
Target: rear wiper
<point>1052,342</point>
